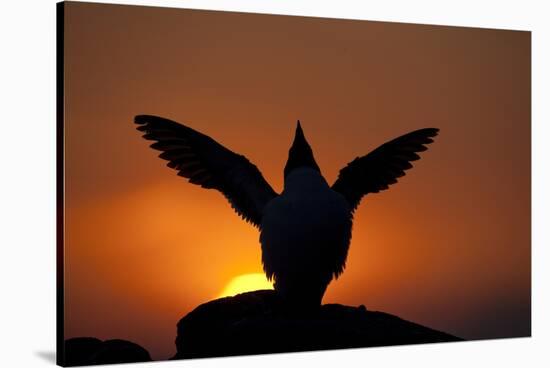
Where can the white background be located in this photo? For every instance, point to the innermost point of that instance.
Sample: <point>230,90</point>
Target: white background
<point>27,181</point>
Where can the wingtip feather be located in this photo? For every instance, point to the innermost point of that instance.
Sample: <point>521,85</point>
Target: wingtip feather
<point>433,131</point>
<point>140,119</point>
<point>145,119</point>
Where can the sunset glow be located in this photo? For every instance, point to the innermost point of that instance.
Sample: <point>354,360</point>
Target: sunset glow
<point>244,283</point>
<point>447,247</point>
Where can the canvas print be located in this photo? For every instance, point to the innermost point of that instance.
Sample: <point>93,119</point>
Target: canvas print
<point>236,183</point>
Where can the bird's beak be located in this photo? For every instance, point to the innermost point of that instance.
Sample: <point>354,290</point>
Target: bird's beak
<point>300,153</point>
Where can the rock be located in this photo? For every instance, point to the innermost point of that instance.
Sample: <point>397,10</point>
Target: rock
<point>89,350</point>
<point>257,323</point>
<point>79,349</point>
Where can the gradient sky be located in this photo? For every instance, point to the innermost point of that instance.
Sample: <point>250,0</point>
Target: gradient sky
<point>447,247</point>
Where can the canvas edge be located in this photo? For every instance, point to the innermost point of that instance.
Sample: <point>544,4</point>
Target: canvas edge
<point>60,184</point>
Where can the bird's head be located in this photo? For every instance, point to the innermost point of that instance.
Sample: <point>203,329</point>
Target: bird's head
<point>300,153</point>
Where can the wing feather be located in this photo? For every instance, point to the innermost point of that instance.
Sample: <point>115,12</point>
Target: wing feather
<point>207,163</point>
<point>382,167</point>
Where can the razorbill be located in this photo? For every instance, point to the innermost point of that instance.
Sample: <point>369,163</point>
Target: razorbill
<point>305,231</point>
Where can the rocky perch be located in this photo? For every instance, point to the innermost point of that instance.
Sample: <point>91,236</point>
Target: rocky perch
<point>257,323</point>
<point>90,351</point>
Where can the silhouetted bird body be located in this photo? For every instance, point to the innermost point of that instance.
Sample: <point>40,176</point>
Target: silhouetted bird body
<point>306,230</point>
<point>305,235</point>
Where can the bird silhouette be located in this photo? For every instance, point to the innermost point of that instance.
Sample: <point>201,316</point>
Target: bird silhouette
<point>305,231</point>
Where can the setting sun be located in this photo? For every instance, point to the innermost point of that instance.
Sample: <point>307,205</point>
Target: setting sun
<point>244,283</point>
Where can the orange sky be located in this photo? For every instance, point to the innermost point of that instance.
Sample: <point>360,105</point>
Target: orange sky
<point>143,247</point>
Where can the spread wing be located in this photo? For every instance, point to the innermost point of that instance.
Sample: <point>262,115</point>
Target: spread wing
<point>207,163</point>
<point>381,168</point>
